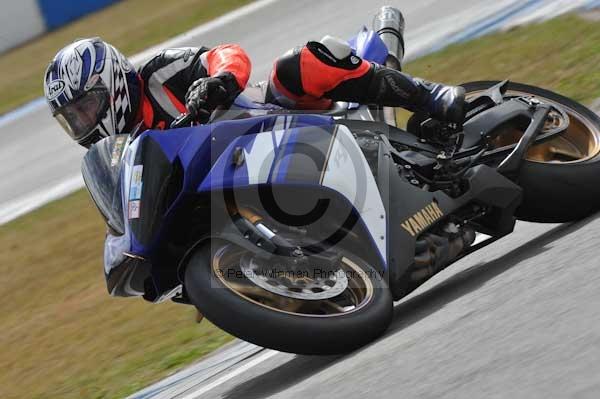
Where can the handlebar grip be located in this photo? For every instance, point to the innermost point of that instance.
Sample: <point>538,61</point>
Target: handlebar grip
<point>183,120</point>
<point>187,119</point>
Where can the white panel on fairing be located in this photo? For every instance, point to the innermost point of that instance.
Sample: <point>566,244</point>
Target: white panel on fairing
<point>348,173</point>
<point>260,158</point>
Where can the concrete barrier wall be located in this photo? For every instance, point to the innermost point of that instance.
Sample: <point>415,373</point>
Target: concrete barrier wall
<point>22,20</point>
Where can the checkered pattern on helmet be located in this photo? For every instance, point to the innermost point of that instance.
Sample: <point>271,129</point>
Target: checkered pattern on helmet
<point>122,106</point>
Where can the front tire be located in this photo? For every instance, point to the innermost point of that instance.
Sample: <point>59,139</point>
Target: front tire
<point>560,178</point>
<point>278,323</point>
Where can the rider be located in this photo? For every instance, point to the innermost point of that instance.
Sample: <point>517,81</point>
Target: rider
<point>93,90</point>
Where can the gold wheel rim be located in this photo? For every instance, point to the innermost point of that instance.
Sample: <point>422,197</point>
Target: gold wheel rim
<point>361,289</point>
<point>578,143</point>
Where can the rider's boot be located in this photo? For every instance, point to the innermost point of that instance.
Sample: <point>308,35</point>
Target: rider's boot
<point>443,102</point>
<point>393,88</point>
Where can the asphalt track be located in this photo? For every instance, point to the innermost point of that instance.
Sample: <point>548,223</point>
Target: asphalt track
<point>517,319</point>
<point>39,163</point>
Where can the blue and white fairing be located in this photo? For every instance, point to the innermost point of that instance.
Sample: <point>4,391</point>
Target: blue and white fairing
<point>321,156</point>
<point>307,151</point>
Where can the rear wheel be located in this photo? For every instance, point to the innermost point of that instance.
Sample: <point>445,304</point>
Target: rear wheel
<point>560,177</point>
<point>293,313</point>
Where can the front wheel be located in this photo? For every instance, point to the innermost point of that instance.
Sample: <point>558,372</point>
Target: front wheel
<point>285,311</point>
<point>560,177</point>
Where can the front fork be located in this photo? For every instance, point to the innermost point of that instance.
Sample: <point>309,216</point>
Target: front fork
<point>255,231</point>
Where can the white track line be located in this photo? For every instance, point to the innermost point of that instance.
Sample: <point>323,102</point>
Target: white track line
<point>209,368</point>
<point>22,205</point>
<point>202,29</point>
<point>267,355</point>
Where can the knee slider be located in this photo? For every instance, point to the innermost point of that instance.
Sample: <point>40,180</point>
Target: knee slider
<point>339,48</point>
<point>334,52</point>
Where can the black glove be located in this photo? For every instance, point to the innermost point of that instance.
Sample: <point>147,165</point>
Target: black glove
<point>206,94</point>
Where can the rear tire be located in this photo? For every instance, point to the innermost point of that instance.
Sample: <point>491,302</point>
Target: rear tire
<point>278,329</point>
<point>557,191</point>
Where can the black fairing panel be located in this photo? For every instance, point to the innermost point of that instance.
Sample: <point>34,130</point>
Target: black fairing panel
<point>488,187</point>
<point>128,278</point>
<point>403,200</point>
<point>161,184</point>
<point>487,122</point>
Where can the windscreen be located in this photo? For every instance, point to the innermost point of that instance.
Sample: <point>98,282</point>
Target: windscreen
<point>101,173</point>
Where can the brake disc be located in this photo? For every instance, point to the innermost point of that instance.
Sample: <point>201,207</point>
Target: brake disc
<point>297,284</point>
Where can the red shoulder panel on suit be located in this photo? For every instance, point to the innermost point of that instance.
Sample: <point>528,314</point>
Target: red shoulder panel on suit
<point>229,58</point>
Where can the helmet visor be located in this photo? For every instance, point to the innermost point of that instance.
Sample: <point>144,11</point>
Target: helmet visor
<point>81,116</point>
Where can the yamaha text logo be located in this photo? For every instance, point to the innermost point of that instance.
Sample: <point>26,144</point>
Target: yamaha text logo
<point>424,218</point>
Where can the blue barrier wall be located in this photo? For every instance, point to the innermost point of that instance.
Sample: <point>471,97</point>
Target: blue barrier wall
<point>59,12</point>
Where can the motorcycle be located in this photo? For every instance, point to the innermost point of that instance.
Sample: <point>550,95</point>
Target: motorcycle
<point>297,231</point>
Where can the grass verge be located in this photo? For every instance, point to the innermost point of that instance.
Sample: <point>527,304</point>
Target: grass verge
<point>561,55</point>
<point>62,336</point>
<point>130,25</point>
